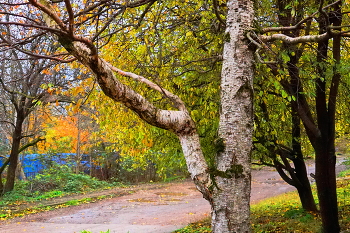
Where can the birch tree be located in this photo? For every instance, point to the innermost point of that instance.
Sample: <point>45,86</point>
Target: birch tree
<point>83,27</point>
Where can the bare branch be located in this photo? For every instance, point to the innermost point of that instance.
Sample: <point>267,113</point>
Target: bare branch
<point>53,30</point>
<point>71,16</point>
<point>7,122</point>
<point>300,23</point>
<point>32,143</point>
<point>50,13</point>
<point>179,104</point>
<point>218,16</point>
<point>106,24</point>
<point>295,40</point>
<point>138,3</point>
<point>145,12</point>
<point>257,54</point>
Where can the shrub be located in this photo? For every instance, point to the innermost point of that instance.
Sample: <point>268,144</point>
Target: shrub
<point>61,177</point>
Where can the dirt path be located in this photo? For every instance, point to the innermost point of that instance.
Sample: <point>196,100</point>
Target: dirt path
<point>151,208</point>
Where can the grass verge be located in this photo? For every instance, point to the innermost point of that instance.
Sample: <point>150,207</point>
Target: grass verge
<point>284,213</point>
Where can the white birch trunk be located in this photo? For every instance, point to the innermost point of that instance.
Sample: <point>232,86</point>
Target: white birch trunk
<point>231,197</point>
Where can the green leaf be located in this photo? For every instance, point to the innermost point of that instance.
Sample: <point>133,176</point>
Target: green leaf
<point>285,57</point>
<point>284,94</point>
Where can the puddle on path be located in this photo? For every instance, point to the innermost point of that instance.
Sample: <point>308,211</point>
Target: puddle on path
<point>171,199</point>
<point>141,200</point>
<point>170,194</point>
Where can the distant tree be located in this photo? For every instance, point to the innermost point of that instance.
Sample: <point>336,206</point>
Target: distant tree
<point>25,83</point>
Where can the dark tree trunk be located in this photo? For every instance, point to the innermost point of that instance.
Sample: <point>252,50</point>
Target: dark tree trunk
<point>298,176</point>
<point>326,188</point>
<point>303,185</point>
<point>16,141</point>
<point>324,142</point>
<point>304,188</point>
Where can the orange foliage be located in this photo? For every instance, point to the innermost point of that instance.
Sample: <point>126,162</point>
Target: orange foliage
<point>62,136</point>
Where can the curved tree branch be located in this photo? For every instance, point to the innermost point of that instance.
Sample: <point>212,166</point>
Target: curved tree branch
<point>295,40</point>
<point>179,104</point>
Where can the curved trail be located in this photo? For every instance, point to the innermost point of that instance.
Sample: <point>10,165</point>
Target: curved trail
<point>159,209</point>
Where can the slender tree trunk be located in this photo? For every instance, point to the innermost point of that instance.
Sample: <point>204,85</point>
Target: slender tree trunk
<point>303,185</point>
<point>304,189</point>
<point>12,167</point>
<point>19,170</point>
<point>78,155</point>
<point>2,168</point>
<point>231,194</point>
<point>324,142</point>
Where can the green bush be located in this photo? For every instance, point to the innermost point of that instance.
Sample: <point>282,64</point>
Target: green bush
<point>54,182</point>
<point>61,177</point>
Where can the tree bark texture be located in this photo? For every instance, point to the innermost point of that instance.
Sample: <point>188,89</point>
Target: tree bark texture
<point>231,193</point>
<point>178,122</point>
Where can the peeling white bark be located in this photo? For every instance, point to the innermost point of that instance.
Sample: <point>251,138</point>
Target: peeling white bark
<point>295,40</point>
<point>178,122</point>
<point>231,196</point>
<point>196,163</point>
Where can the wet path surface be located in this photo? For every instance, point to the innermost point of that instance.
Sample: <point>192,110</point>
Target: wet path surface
<point>161,209</point>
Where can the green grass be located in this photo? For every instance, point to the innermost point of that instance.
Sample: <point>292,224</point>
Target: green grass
<point>85,231</point>
<point>284,213</point>
<point>30,196</point>
<point>10,211</point>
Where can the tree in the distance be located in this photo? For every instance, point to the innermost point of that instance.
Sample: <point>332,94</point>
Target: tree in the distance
<point>25,84</point>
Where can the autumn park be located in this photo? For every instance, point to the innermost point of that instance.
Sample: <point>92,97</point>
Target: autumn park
<point>174,116</point>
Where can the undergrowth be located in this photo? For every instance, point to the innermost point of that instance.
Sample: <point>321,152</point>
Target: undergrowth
<point>52,183</point>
